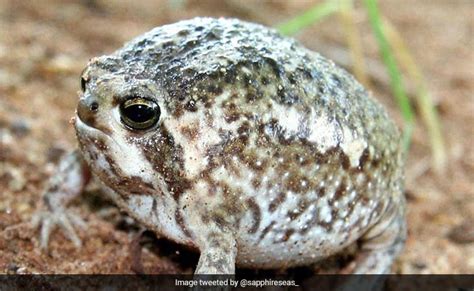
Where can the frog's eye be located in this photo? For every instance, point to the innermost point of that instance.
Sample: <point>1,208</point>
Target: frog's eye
<point>139,113</point>
<point>83,84</point>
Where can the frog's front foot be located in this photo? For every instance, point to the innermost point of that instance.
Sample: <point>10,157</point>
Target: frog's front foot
<point>217,255</point>
<point>48,220</point>
<point>66,184</point>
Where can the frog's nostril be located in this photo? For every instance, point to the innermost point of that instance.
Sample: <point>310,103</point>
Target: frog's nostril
<point>86,110</point>
<point>94,106</point>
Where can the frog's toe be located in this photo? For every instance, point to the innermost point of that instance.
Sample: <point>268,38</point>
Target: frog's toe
<point>66,222</point>
<point>47,221</point>
<point>77,221</point>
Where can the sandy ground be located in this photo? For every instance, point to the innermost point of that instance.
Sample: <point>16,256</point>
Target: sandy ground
<point>44,45</point>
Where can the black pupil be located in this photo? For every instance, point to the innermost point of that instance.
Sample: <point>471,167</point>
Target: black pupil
<point>139,113</point>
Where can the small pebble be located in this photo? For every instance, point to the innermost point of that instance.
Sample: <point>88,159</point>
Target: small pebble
<point>463,233</point>
<point>54,154</point>
<point>12,268</point>
<point>20,127</point>
<point>419,265</point>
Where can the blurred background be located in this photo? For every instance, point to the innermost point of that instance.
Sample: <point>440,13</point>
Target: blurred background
<point>44,45</point>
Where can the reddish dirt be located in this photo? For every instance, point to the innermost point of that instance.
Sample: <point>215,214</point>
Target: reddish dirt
<point>44,45</point>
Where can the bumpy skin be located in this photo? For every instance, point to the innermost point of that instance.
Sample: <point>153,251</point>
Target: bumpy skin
<point>266,154</point>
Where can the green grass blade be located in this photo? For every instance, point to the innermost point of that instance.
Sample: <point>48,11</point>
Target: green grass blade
<point>313,15</point>
<point>396,81</point>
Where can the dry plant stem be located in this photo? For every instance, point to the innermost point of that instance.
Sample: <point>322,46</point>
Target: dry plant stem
<point>346,13</point>
<point>428,112</point>
<point>396,81</point>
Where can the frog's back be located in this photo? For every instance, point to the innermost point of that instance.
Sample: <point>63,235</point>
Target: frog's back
<point>249,70</point>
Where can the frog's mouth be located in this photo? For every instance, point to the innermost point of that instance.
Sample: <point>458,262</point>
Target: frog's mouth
<point>84,129</point>
<point>97,147</point>
<point>88,131</point>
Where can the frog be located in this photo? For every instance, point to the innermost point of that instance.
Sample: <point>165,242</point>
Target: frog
<point>236,141</point>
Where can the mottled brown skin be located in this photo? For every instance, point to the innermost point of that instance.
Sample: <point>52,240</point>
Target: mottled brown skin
<point>266,154</point>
